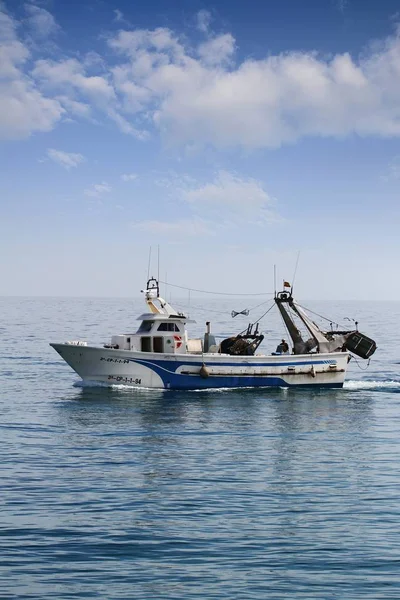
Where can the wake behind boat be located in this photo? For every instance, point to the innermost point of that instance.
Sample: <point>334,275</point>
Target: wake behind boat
<point>161,355</point>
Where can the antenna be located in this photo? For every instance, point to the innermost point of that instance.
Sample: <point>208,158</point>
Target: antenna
<point>295,269</point>
<point>149,264</point>
<point>275,280</point>
<point>158,262</point>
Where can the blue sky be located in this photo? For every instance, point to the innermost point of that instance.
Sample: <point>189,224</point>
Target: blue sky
<point>233,135</point>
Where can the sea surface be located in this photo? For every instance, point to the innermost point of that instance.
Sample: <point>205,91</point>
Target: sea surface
<point>115,493</point>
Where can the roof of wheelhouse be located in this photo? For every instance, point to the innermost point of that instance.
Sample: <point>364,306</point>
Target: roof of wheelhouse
<point>160,317</point>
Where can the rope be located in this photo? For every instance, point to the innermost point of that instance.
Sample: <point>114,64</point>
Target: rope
<point>261,304</point>
<point>357,363</point>
<point>259,318</point>
<point>181,287</point>
<point>321,317</point>
<point>266,312</point>
<point>249,310</point>
<point>218,312</point>
<point>205,310</point>
<point>295,269</point>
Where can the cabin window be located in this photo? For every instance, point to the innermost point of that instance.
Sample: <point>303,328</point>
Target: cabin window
<point>158,344</point>
<point>128,340</point>
<point>146,344</point>
<point>145,326</point>
<point>168,327</point>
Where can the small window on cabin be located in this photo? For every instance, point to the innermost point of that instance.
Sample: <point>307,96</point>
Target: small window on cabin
<point>167,327</point>
<point>146,344</point>
<point>158,344</point>
<point>145,326</point>
<point>128,340</point>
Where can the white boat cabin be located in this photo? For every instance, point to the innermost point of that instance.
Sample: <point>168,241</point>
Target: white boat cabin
<point>162,330</point>
<point>160,334</point>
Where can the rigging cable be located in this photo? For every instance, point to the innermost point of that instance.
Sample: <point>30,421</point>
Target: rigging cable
<point>357,363</point>
<point>295,270</point>
<point>182,287</point>
<point>321,317</point>
<point>201,308</point>
<point>266,312</point>
<point>259,318</point>
<point>149,264</point>
<point>261,304</point>
<point>219,312</point>
<point>248,310</point>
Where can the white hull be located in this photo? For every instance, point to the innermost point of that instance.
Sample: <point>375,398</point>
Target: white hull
<point>182,371</point>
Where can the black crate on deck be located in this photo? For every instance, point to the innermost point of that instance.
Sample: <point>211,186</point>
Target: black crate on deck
<point>360,344</point>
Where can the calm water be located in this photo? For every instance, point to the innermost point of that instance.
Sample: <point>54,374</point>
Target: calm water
<point>267,494</point>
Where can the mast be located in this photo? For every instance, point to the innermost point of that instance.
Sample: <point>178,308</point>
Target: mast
<point>317,334</point>
<point>299,345</point>
<point>152,295</point>
<point>324,342</point>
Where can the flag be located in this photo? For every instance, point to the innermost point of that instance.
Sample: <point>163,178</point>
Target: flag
<point>286,284</point>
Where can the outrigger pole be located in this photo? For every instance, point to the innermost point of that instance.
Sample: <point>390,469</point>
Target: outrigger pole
<point>322,341</point>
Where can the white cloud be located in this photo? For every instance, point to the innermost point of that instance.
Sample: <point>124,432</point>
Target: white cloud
<point>80,109</point>
<point>98,189</point>
<point>40,20</point>
<point>24,110</point>
<point>12,52</point>
<point>71,73</point>
<point>93,59</point>
<point>183,227</point>
<point>198,96</point>
<point>65,159</point>
<point>134,96</point>
<point>69,76</point>
<point>225,203</point>
<point>125,126</point>
<point>119,16</point>
<point>258,103</point>
<point>217,50</point>
<point>232,197</point>
<point>23,107</point>
<point>203,18</point>
<point>129,177</point>
<point>148,48</point>
<point>341,5</point>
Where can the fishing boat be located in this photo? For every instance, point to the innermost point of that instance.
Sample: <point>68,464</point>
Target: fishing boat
<point>160,354</point>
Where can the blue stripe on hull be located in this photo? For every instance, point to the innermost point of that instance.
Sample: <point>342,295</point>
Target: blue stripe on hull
<point>173,365</point>
<point>177,381</point>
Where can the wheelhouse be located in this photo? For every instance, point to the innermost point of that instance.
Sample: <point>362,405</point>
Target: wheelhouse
<point>160,334</point>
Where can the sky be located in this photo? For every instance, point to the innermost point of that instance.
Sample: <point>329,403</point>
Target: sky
<point>234,135</point>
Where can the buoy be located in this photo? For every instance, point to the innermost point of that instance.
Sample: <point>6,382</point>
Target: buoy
<point>204,372</point>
